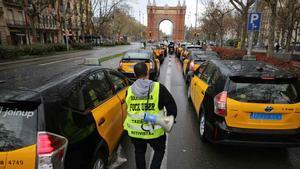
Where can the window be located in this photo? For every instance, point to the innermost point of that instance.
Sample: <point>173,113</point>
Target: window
<point>97,90</point>
<point>10,15</point>
<point>89,92</point>
<point>201,68</point>
<point>18,125</point>
<point>271,92</point>
<point>207,73</point>
<point>118,81</point>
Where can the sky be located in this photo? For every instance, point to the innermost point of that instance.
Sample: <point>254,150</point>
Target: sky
<point>140,7</point>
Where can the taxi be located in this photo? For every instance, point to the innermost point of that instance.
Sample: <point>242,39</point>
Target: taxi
<point>195,59</point>
<point>73,122</point>
<point>158,53</point>
<point>164,48</point>
<point>179,49</point>
<point>132,57</point>
<point>246,103</point>
<point>188,49</point>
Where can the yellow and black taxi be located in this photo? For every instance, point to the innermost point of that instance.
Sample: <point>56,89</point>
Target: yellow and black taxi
<point>188,49</point>
<point>246,102</point>
<point>180,48</point>
<point>73,122</point>
<point>132,57</point>
<point>164,48</point>
<point>195,59</point>
<point>158,52</point>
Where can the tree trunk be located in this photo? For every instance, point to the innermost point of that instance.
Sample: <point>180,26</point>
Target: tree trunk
<point>272,23</point>
<point>244,30</point>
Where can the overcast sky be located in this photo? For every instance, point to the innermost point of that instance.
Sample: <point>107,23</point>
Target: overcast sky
<point>140,6</point>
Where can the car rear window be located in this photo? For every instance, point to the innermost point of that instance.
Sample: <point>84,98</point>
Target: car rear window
<point>18,125</point>
<point>194,48</point>
<point>276,93</point>
<point>133,55</point>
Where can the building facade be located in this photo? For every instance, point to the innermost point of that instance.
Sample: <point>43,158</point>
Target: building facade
<point>40,21</point>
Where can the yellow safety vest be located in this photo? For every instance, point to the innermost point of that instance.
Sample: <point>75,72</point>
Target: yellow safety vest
<point>136,108</point>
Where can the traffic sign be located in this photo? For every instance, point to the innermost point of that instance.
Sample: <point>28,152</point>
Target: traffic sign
<point>254,21</point>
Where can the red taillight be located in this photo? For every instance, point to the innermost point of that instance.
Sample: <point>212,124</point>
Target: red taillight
<point>192,65</point>
<point>51,148</point>
<point>45,144</point>
<point>220,102</point>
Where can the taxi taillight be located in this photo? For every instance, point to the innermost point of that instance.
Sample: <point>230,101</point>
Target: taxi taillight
<point>51,150</point>
<point>220,103</point>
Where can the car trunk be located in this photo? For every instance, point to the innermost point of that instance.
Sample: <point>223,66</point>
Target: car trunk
<point>128,65</point>
<point>263,104</point>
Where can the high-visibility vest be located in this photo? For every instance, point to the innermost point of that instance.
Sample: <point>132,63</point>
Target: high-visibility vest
<point>136,108</point>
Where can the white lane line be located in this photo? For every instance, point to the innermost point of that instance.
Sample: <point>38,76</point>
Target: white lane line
<point>167,83</point>
<point>49,63</point>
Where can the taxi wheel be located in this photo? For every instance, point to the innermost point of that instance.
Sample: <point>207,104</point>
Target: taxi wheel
<point>202,127</point>
<point>99,162</point>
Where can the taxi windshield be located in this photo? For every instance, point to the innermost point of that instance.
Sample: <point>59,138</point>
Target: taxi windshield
<point>18,122</point>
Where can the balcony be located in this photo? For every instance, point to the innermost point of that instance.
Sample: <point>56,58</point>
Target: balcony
<point>47,26</point>
<point>14,3</point>
<point>15,23</point>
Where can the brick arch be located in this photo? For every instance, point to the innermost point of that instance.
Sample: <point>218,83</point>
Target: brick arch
<point>157,14</point>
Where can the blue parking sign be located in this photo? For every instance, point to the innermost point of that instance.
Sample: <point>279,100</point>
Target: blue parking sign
<point>254,21</point>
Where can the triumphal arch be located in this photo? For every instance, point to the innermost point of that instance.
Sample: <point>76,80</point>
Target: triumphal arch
<point>157,14</point>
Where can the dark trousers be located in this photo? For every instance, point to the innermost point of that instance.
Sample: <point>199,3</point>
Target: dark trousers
<point>140,146</point>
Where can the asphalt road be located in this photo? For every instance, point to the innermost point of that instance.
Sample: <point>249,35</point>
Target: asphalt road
<point>186,151</point>
<point>184,148</point>
<point>33,73</point>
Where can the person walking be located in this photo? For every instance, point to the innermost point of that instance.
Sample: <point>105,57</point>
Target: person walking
<point>143,96</point>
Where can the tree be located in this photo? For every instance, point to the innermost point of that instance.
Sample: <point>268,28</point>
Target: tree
<point>104,10</point>
<point>272,24</point>
<point>288,18</point>
<point>218,11</point>
<point>243,6</point>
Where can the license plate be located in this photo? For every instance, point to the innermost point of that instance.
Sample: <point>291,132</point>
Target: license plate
<point>266,116</point>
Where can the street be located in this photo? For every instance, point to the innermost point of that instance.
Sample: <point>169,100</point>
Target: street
<point>24,73</point>
<point>184,148</point>
<point>186,151</point>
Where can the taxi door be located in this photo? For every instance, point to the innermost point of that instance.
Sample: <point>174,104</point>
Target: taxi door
<point>201,84</point>
<point>107,109</point>
<point>120,86</point>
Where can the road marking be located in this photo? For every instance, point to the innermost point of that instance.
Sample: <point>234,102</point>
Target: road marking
<point>49,63</point>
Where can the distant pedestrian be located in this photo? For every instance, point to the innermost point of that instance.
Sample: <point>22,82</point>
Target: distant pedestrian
<point>277,46</point>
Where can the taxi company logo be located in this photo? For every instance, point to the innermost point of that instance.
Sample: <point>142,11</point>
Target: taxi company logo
<point>268,109</point>
<point>19,113</point>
